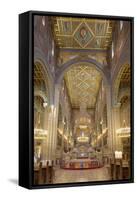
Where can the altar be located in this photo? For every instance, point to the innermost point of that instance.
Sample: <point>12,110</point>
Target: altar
<point>81,164</point>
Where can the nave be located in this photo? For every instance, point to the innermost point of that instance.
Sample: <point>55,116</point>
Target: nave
<point>82,100</point>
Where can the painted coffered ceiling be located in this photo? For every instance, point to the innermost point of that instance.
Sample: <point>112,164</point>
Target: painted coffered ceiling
<point>83,84</point>
<point>82,33</point>
<point>38,74</point>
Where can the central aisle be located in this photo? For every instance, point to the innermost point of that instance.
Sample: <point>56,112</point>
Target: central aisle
<point>65,176</point>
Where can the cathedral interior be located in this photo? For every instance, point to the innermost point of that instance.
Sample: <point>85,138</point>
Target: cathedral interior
<point>82,77</point>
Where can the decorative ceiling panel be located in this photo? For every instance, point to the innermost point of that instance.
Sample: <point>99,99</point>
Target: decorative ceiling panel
<point>82,33</point>
<point>66,55</point>
<point>83,84</point>
<point>39,77</point>
<point>125,76</point>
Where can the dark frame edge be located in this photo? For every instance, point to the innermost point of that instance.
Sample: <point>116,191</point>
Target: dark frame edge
<point>24,100</point>
<point>132,97</point>
<point>98,16</point>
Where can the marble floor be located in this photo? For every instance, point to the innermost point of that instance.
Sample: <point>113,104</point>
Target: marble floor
<point>67,176</point>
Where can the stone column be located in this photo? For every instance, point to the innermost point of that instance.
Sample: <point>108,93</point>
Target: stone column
<point>116,125</point>
<point>62,141</point>
<point>102,142</point>
<point>55,120</point>
<point>49,135</point>
<point>45,127</point>
<point>109,118</point>
<point>52,126</point>
<point>43,150</point>
<point>67,139</point>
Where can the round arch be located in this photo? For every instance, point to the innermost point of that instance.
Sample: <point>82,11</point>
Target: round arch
<point>125,92</point>
<point>91,63</point>
<point>48,83</point>
<point>116,83</point>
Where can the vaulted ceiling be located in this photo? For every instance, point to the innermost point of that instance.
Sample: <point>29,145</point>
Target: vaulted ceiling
<point>83,84</point>
<point>82,33</point>
<point>125,77</point>
<point>82,80</point>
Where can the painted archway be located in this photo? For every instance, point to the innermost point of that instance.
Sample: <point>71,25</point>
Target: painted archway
<point>116,83</point>
<point>47,76</point>
<point>105,76</point>
<point>118,93</point>
<point>90,62</point>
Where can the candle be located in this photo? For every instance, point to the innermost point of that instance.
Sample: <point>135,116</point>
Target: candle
<point>118,154</point>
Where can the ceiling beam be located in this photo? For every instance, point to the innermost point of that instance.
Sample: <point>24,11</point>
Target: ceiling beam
<point>83,50</point>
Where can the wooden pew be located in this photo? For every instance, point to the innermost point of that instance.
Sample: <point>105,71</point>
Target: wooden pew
<point>44,174</point>
<point>36,176</point>
<point>119,169</point>
<point>126,169</point>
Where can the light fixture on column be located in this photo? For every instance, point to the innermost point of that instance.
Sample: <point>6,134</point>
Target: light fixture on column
<point>101,122</point>
<point>45,104</point>
<point>52,51</point>
<point>52,107</point>
<point>83,139</point>
<point>43,21</point>
<point>40,132</point>
<point>63,121</point>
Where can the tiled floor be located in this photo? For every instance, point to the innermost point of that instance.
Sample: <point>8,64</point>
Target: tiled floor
<point>67,176</point>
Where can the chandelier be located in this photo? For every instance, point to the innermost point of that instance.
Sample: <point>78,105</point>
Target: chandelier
<point>124,131</point>
<point>38,131</point>
<point>83,139</point>
<point>83,120</point>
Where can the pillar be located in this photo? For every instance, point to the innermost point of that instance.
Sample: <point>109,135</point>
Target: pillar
<point>109,118</point>
<point>52,125</point>
<point>49,135</point>
<point>62,141</point>
<point>55,120</point>
<point>116,125</point>
<point>44,141</point>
